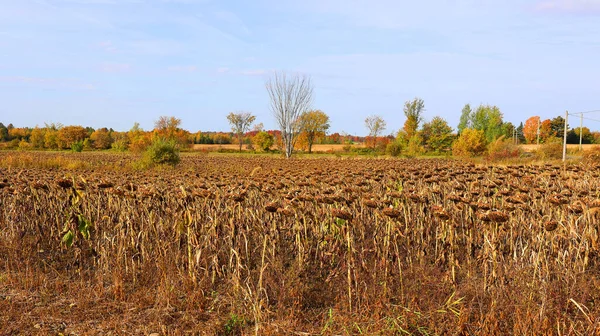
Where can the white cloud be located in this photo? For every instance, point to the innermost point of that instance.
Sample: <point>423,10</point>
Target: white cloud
<point>115,67</point>
<point>254,72</point>
<point>573,6</point>
<point>107,46</point>
<point>182,68</point>
<point>232,20</point>
<point>54,83</point>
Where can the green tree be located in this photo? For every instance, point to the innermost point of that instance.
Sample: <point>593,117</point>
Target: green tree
<point>437,134</point>
<point>413,110</point>
<point>394,148</point>
<point>313,124</point>
<point>488,119</point>
<point>557,126</point>
<point>240,124</point>
<point>3,132</point>
<point>520,134</point>
<point>573,136</point>
<point>465,118</point>
<point>162,151</point>
<point>508,130</point>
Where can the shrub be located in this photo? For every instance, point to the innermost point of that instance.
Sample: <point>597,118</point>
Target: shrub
<point>551,150</point>
<point>24,145</point>
<point>502,149</point>
<point>162,151</point>
<point>381,146</point>
<point>14,144</point>
<point>87,144</point>
<point>119,145</point>
<point>263,141</point>
<point>394,148</point>
<point>470,143</point>
<point>77,146</point>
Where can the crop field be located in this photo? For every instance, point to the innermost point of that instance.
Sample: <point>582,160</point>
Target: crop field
<point>268,246</point>
<point>316,148</point>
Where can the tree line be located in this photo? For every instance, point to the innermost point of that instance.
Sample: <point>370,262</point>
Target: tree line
<point>301,126</point>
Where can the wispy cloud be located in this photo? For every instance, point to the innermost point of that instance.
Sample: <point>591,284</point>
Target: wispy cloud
<point>107,46</point>
<point>222,70</point>
<point>570,6</point>
<point>182,68</point>
<point>255,72</point>
<point>231,19</point>
<point>53,83</point>
<point>157,47</point>
<point>115,67</point>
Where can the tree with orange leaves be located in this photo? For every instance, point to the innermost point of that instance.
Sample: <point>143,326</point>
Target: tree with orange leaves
<point>530,129</point>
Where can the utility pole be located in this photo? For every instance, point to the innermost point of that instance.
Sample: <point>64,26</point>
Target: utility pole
<point>581,132</point>
<point>565,137</point>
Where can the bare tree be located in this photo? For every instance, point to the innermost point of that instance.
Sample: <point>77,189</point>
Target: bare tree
<point>290,96</point>
<point>376,125</point>
<point>240,124</point>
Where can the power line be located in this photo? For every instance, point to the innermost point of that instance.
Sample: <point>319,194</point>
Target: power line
<point>589,119</point>
<point>593,111</point>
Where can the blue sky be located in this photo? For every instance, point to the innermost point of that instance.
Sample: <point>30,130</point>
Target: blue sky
<point>115,62</point>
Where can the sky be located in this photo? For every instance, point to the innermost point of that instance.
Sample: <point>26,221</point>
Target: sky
<point>111,63</point>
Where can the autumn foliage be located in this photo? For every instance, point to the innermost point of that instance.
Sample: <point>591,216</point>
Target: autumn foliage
<point>530,129</point>
<point>470,143</point>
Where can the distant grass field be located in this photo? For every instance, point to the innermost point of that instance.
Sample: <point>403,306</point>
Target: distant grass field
<point>340,147</point>
<point>316,148</point>
<point>533,147</point>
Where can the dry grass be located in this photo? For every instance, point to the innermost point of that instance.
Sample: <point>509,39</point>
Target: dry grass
<point>570,148</point>
<point>239,246</point>
<point>316,148</point>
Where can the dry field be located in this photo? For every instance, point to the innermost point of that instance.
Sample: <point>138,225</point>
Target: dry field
<point>570,147</point>
<point>316,148</point>
<point>267,246</point>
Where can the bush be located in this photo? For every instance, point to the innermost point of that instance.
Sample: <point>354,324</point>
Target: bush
<point>77,146</point>
<point>394,148</point>
<point>592,156</point>
<point>162,151</point>
<point>87,144</point>
<point>503,149</point>
<point>263,141</point>
<point>414,147</point>
<point>14,144</point>
<point>551,150</point>
<point>119,145</point>
<point>470,143</point>
<point>24,145</point>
